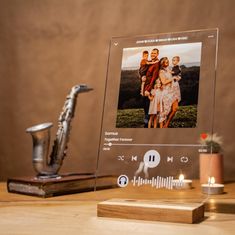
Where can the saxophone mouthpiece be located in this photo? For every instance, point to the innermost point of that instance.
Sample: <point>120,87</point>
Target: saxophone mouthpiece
<point>82,88</point>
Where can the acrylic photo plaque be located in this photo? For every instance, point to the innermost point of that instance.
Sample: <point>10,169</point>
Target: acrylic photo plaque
<point>159,100</point>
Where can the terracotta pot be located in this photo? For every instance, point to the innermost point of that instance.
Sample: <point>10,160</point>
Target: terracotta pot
<point>211,165</point>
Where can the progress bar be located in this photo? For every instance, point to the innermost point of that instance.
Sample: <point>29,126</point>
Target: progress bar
<point>159,145</point>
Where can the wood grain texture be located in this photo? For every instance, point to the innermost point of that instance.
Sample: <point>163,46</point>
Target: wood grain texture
<point>59,186</point>
<point>151,210</point>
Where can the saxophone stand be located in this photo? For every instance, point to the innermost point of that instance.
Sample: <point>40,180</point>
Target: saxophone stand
<point>48,182</point>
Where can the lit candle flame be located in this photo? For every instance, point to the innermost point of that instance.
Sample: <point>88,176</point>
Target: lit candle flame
<point>181,177</point>
<point>211,180</point>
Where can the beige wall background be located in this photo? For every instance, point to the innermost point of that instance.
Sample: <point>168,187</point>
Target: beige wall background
<point>48,46</point>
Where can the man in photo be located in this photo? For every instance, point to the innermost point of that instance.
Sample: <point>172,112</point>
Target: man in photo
<point>151,77</point>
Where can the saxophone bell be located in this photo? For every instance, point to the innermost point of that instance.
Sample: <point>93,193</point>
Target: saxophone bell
<point>41,143</point>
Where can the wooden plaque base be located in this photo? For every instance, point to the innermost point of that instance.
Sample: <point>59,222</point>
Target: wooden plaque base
<point>58,186</point>
<point>152,210</point>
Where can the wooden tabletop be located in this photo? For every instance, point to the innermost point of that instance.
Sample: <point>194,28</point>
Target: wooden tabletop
<point>77,213</point>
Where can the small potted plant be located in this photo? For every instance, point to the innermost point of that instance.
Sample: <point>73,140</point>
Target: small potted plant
<point>211,158</point>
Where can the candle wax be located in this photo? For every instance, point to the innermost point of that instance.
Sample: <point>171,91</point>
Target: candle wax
<point>182,184</point>
<point>212,188</point>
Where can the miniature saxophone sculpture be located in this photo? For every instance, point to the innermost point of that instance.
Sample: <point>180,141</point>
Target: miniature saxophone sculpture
<point>48,167</point>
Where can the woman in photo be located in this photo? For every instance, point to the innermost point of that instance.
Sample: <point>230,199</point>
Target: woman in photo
<point>170,104</point>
